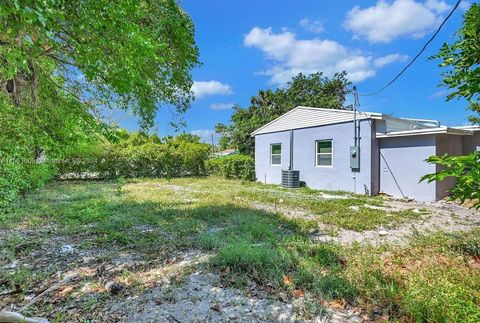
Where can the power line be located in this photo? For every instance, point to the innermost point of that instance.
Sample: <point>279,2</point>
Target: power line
<point>419,53</point>
<point>357,103</point>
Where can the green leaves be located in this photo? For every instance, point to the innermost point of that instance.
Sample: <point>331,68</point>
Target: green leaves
<point>66,62</point>
<point>233,166</point>
<point>466,170</point>
<point>140,155</point>
<point>462,59</point>
<point>313,90</point>
<point>129,54</point>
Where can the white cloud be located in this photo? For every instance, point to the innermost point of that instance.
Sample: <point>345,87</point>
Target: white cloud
<point>221,106</point>
<point>292,56</point>
<point>206,135</point>
<point>438,6</point>
<point>440,94</point>
<point>465,5</point>
<point>313,26</point>
<point>204,88</point>
<point>388,59</point>
<point>276,46</point>
<point>388,20</point>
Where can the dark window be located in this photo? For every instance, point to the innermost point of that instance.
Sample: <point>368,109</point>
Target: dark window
<point>276,154</point>
<point>324,153</point>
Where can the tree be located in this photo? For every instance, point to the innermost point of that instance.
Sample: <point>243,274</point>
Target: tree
<point>465,169</point>
<point>462,58</point>
<point>314,90</point>
<point>126,53</point>
<point>63,62</point>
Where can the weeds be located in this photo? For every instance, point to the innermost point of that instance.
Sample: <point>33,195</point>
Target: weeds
<point>435,278</point>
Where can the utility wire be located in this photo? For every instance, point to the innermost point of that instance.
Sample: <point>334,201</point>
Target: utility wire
<point>357,103</point>
<point>419,53</point>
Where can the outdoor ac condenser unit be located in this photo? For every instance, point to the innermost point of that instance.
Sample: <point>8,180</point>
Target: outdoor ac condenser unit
<point>291,178</point>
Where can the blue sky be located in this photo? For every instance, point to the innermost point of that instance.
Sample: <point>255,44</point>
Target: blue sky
<point>250,45</point>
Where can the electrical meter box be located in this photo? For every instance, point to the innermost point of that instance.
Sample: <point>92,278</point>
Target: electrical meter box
<point>355,157</point>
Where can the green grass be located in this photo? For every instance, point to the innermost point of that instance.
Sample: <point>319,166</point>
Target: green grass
<point>433,279</point>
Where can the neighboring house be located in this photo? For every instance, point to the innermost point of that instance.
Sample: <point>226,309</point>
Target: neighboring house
<point>392,151</point>
<point>226,152</point>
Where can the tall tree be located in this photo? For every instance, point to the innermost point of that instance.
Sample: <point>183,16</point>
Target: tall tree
<point>314,90</point>
<point>63,62</point>
<point>134,54</point>
<point>462,60</point>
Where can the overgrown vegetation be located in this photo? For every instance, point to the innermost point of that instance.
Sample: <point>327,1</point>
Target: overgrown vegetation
<point>233,167</point>
<point>462,60</point>
<point>435,278</point>
<point>140,155</point>
<point>63,63</point>
<point>431,280</point>
<point>466,170</point>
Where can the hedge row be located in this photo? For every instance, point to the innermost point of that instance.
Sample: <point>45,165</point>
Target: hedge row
<point>148,160</point>
<point>157,160</point>
<point>167,160</point>
<point>233,167</point>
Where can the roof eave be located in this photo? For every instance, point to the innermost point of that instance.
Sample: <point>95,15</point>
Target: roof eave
<point>428,131</point>
<point>367,115</point>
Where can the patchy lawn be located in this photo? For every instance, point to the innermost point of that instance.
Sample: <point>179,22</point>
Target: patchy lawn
<point>211,249</point>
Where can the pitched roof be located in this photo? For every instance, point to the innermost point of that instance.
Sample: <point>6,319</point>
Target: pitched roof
<point>305,117</point>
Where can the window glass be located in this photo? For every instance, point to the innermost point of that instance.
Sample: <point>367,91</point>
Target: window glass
<point>324,153</point>
<point>276,159</point>
<point>324,160</point>
<point>276,154</point>
<point>324,147</point>
<point>276,149</point>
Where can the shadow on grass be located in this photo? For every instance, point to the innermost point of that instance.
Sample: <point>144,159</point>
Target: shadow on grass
<point>247,244</point>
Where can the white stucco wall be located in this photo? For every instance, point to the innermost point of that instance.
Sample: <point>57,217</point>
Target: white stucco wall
<point>402,164</point>
<point>337,177</point>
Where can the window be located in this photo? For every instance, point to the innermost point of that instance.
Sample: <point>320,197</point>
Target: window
<point>276,154</point>
<point>324,153</point>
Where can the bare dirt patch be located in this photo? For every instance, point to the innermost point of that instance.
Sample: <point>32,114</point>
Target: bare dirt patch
<point>202,298</point>
<point>438,216</point>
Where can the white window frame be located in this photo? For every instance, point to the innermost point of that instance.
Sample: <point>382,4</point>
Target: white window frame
<point>272,154</point>
<point>317,153</point>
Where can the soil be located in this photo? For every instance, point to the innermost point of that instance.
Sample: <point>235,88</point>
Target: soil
<point>201,297</point>
<point>439,216</point>
<point>160,294</point>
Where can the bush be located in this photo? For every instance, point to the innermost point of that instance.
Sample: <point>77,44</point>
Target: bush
<point>465,170</point>
<point>16,178</point>
<point>173,158</point>
<point>233,167</point>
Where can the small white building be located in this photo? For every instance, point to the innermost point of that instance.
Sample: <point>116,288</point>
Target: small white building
<point>389,156</point>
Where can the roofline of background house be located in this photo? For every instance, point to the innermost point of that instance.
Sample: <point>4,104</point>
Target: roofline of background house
<point>471,128</point>
<point>428,131</point>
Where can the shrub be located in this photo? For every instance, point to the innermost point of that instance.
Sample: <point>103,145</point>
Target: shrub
<point>16,178</point>
<point>174,158</point>
<point>465,170</point>
<point>11,182</point>
<point>233,167</point>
